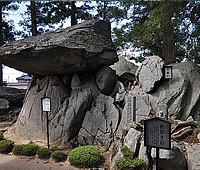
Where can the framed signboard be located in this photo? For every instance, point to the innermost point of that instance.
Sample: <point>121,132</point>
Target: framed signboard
<point>157,133</point>
<point>168,72</point>
<point>46,104</point>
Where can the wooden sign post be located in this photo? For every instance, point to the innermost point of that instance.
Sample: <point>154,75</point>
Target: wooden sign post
<point>157,133</point>
<point>46,107</point>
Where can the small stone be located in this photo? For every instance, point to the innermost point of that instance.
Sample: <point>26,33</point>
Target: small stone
<point>26,142</point>
<point>198,136</point>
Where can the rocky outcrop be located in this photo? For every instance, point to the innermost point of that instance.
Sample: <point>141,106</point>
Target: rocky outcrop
<point>82,112</point>
<point>172,159</point>
<point>100,123</point>
<point>79,103</point>
<point>193,156</point>
<point>31,121</point>
<point>150,72</point>
<point>177,98</point>
<point>83,47</point>
<point>106,79</point>
<point>124,66</point>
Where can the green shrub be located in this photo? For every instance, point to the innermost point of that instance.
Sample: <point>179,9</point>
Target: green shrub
<point>58,156</point>
<point>17,150</point>
<point>198,120</point>
<point>128,161</point>
<point>130,164</point>
<point>30,149</point>
<point>1,135</point>
<point>44,153</point>
<point>88,156</point>
<point>127,152</point>
<point>6,146</point>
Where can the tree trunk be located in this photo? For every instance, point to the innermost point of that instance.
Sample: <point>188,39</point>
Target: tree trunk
<point>168,43</point>
<point>104,10</point>
<point>73,12</point>
<point>33,19</point>
<point>1,43</point>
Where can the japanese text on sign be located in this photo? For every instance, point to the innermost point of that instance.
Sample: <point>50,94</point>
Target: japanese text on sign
<point>158,134</point>
<point>129,109</point>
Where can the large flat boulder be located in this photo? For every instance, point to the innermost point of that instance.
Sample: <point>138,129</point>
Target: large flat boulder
<point>82,47</point>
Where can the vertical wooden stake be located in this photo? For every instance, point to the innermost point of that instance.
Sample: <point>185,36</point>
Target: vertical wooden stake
<point>47,129</point>
<point>157,158</point>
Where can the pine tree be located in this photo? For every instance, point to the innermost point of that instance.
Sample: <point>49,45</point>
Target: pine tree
<point>159,28</point>
<point>49,14</point>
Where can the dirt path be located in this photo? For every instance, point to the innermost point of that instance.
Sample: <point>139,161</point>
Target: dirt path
<point>11,162</point>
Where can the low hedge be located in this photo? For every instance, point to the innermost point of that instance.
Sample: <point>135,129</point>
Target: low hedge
<point>88,156</point>
<point>17,150</point>
<point>30,149</point>
<point>44,153</point>
<point>6,146</point>
<point>58,156</point>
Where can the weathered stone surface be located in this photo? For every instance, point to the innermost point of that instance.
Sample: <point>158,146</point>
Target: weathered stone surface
<point>119,94</point>
<point>143,106</point>
<point>150,72</point>
<point>191,105</point>
<point>66,116</point>
<point>106,79</point>
<point>142,110</point>
<point>90,82</point>
<point>179,95</point>
<point>193,156</point>
<point>82,47</point>
<point>171,94</point>
<point>128,79</point>
<point>13,95</point>
<point>173,159</point>
<point>100,123</point>
<point>123,66</point>
<point>79,103</point>
<point>31,123</point>
<point>75,83</point>
<point>4,105</point>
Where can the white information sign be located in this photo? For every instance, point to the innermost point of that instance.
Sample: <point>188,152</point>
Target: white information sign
<point>157,133</point>
<point>168,72</point>
<point>46,104</point>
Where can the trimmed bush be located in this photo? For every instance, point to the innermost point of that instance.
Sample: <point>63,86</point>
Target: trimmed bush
<point>130,164</point>
<point>30,149</point>
<point>1,135</point>
<point>127,152</point>
<point>17,150</point>
<point>6,146</point>
<point>88,156</point>
<point>58,156</point>
<point>128,161</point>
<point>44,153</point>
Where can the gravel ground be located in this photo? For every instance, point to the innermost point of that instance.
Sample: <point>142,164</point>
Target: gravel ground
<point>11,162</point>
